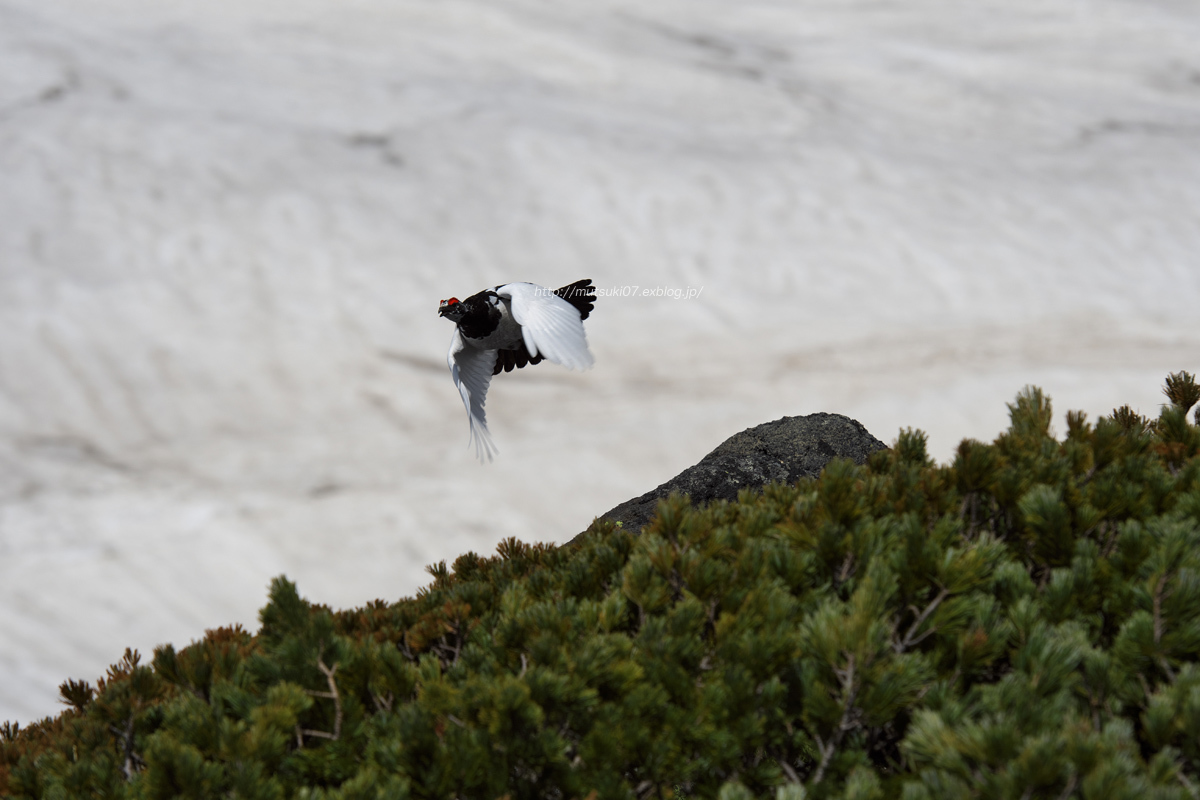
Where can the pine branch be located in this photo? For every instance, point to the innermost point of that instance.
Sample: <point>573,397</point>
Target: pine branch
<point>1158,624</point>
<point>911,638</point>
<point>129,758</point>
<point>710,628</point>
<point>1145,689</point>
<point>850,692</point>
<point>333,695</point>
<point>847,569</point>
<point>382,702</point>
<point>1188,785</point>
<point>968,510</point>
<point>1110,544</point>
<point>1071,785</point>
<point>1158,597</point>
<point>1181,389</point>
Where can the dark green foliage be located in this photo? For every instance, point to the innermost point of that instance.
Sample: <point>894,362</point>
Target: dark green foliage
<point>1024,622</point>
<point>1182,390</point>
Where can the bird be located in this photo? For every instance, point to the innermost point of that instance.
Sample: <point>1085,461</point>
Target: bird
<point>508,327</point>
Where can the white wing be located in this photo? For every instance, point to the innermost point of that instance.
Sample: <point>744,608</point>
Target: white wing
<point>550,325</point>
<point>471,369</point>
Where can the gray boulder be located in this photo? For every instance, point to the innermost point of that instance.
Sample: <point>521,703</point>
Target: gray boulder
<point>784,450</point>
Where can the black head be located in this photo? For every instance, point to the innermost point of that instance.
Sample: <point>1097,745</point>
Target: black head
<point>452,309</point>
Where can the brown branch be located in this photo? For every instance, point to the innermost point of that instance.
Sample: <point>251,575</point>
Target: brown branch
<point>1191,788</point>
<point>911,638</point>
<point>850,692</point>
<point>787,768</point>
<point>970,508</point>
<point>1145,686</point>
<point>1158,598</point>
<point>383,703</point>
<point>1111,544</point>
<point>847,569</point>
<point>333,695</point>
<point>130,759</point>
<point>456,629</point>
<point>710,630</point>
<point>320,734</point>
<point>337,701</point>
<point>1071,784</point>
<point>1158,624</point>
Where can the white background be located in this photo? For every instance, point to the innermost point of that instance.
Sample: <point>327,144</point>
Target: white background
<point>225,228</point>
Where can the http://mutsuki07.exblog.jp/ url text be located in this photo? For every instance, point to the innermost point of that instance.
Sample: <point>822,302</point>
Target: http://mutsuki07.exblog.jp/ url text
<point>635,290</point>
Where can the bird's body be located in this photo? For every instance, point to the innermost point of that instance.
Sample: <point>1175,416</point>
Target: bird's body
<point>508,327</point>
<point>488,322</point>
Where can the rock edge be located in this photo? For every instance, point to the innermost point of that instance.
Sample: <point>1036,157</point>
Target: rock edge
<point>784,450</point>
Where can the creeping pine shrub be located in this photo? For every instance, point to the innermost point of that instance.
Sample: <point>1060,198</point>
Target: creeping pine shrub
<point>1023,622</point>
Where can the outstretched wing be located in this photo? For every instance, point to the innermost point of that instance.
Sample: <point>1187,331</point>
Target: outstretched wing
<point>471,369</point>
<point>550,325</point>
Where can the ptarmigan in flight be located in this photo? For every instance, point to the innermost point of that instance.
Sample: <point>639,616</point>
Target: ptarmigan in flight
<point>507,327</point>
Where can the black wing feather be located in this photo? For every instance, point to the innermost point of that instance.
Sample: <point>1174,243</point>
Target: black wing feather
<point>580,294</point>
<point>508,360</point>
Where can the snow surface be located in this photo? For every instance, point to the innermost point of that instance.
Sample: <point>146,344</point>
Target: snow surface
<point>225,228</point>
